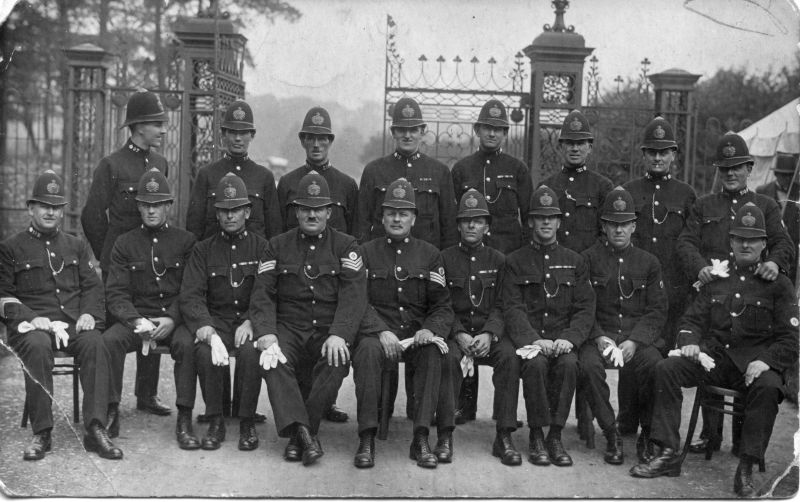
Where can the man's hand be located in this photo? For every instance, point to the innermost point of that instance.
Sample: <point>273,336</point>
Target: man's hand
<point>754,370</point>
<point>335,349</point>
<point>423,337</point>
<point>219,354</point>
<point>628,348</point>
<point>767,270</point>
<point>561,346</point>
<point>164,326</point>
<point>691,352</point>
<point>84,323</point>
<point>546,345</point>
<point>705,275</point>
<point>204,334</point>
<point>481,345</point>
<point>391,345</point>
<point>464,342</point>
<point>244,333</point>
<point>265,341</point>
<point>41,323</point>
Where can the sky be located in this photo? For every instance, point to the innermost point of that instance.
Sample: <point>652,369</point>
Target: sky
<point>337,49</point>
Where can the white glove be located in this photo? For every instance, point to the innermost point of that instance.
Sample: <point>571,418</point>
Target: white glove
<point>529,351</point>
<point>144,328</point>
<point>58,328</point>
<point>718,268</point>
<point>614,354</point>
<point>437,340</point>
<point>467,366</point>
<point>219,354</point>
<point>271,357</point>
<point>705,360</point>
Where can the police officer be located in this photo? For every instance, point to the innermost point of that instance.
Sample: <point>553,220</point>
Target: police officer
<point>238,130</point>
<point>631,308</point>
<point>506,183</point>
<point>111,210</point>
<point>748,325</point>
<point>580,192</point>
<point>51,298</point>
<point>474,276</point>
<point>436,203</point>
<point>144,280</point>
<point>215,306</point>
<point>316,137</point>
<point>548,304</point>
<point>309,298</point>
<point>410,301</point>
<point>785,190</point>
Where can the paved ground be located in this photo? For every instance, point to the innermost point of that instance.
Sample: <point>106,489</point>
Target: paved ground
<point>155,466</point>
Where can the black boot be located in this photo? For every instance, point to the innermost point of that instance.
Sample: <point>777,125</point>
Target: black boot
<point>558,455</point>
<point>613,454</point>
<point>444,447</point>
<point>467,400</point>
<point>312,450</point>
<point>40,444</point>
<point>504,449</point>
<point>421,450</point>
<point>112,420</point>
<point>743,480</point>
<point>97,440</point>
<point>537,453</point>
<point>184,433</point>
<point>365,456</point>
<point>293,451</point>
<point>665,462</point>
<point>215,434</point>
<point>248,437</point>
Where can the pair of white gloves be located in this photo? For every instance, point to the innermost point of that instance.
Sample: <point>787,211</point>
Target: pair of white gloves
<point>719,268</point>
<point>144,328</point>
<point>436,340</point>
<point>58,328</point>
<point>611,352</point>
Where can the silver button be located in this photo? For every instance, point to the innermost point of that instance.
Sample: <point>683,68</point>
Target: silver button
<point>313,248</point>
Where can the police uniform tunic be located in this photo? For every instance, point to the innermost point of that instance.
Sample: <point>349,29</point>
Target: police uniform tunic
<point>216,292</point>
<point>507,185</point>
<point>705,235</point>
<point>630,305</point>
<point>407,290</point>
<point>201,216</point>
<point>344,194</point>
<point>114,188</point>
<point>308,288</point>
<point>581,194</point>
<point>51,275</point>
<point>547,295</point>
<point>144,280</point>
<point>791,214</point>
<point>663,204</point>
<point>734,320</point>
<point>435,199</point>
<point>474,278</point>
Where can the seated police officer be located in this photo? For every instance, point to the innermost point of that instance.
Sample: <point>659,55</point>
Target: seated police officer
<point>748,326</point>
<point>548,305</point>
<point>631,308</point>
<point>309,299</point>
<point>144,279</point>
<point>474,276</point>
<point>51,298</point>
<point>408,301</point>
<point>215,306</point>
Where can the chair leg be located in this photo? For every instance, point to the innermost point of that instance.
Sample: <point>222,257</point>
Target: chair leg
<point>692,423</point>
<point>713,417</point>
<point>585,418</point>
<point>76,402</point>
<point>761,466</point>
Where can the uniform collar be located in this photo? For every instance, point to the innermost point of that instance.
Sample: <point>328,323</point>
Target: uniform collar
<point>658,177</point>
<point>130,145</point>
<point>571,170</point>
<point>311,238</point>
<point>158,230</point>
<point>322,167</point>
<point>40,235</point>
<point>495,153</point>
<point>621,252</point>
<point>233,237</point>
<point>738,193</point>
<point>746,269</point>
<point>414,156</point>
<point>470,250</point>
<point>405,240</point>
<point>236,158</point>
<point>543,247</point>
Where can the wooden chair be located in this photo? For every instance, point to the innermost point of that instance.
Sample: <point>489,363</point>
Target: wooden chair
<point>71,367</point>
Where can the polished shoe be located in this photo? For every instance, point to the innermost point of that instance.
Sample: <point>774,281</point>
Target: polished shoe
<point>97,440</point>
<point>537,453</point>
<point>40,444</point>
<point>701,444</point>
<point>365,456</point>
<point>293,451</point>
<point>112,420</point>
<point>152,405</point>
<point>558,455</point>
<point>184,433</point>
<point>665,462</point>
<point>421,451</point>
<point>743,480</point>
<point>312,450</point>
<point>248,438</point>
<point>335,414</point>
<point>644,448</point>
<point>444,447</point>
<point>503,448</point>
<point>613,454</point>
<point>215,434</point>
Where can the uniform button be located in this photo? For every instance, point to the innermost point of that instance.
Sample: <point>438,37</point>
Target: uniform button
<point>737,295</point>
<point>472,296</point>
<point>589,203</point>
<point>741,278</point>
<point>399,290</point>
<point>313,248</point>
<point>620,316</point>
<point>234,265</point>
<point>472,278</point>
<point>621,260</point>
<point>47,243</point>
<point>758,303</point>
<point>658,187</point>
<point>399,251</point>
<point>161,295</point>
<point>620,298</point>
<point>313,321</point>
<point>308,267</point>
<point>238,168</point>
<point>27,265</point>
<point>399,269</point>
<point>546,314</point>
<point>527,281</point>
<point>547,275</point>
<point>488,179</point>
<point>313,302</point>
<point>734,201</point>
<point>163,309</point>
<point>311,287</point>
<point>213,274</point>
<point>62,307</point>
<point>566,214</point>
<point>727,346</point>
<point>547,257</point>
<point>158,278</point>
<point>236,302</point>
<point>400,309</point>
<point>488,197</point>
<point>233,247</point>
<point>471,312</point>
<point>655,240</point>
<point>655,203</point>
<point>622,276</point>
<point>488,162</point>
<point>566,233</point>
<point>733,218</point>
<point>472,258</point>
<point>408,164</point>
<point>155,259</point>
<point>58,290</point>
<point>571,178</point>
<point>53,255</point>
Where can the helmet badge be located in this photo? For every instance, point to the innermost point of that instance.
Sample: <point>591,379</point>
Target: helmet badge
<point>575,125</point>
<point>471,202</point>
<point>239,114</point>
<point>728,151</point>
<point>317,119</point>
<point>151,186</point>
<point>620,204</point>
<point>748,220</point>
<point>495,112</point>
<point>229,192</point>
<point>52,187</point>
<point>659,132</point>
<point>546,200</point>
<point>407,111</point>
<point>399,193</point>
<point>313,189</point>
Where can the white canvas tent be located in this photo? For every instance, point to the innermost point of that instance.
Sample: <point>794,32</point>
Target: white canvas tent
<point>778,131</point>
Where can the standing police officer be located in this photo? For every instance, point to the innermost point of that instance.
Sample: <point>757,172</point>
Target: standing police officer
<point>631,308</point>
<point>548,305</point>
<point>144,280</point>
<point>580,192</point>
<point>474,276</point>
<point>785,190</point>
<point>436,203</point>
<point>215,306</point>
<point>111,210</point>
<point>51,298</point>
<point>308,302</point>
